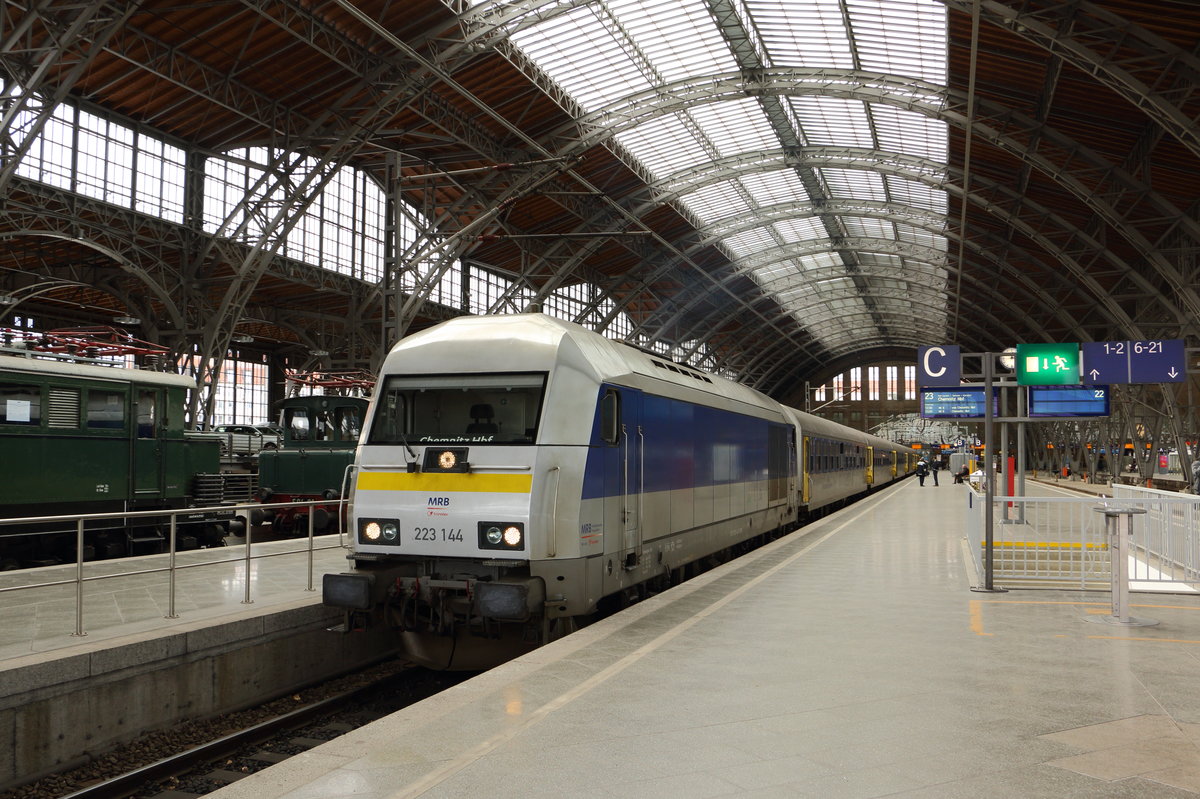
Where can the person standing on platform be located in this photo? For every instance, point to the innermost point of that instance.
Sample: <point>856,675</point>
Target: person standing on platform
<point>934,465</point>
<point>922,470</point>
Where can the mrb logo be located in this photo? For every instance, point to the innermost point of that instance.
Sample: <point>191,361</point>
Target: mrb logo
<point>437,505</point>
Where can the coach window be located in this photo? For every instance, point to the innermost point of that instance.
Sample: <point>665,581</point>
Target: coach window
<point>20,405</point>
<point>146,414</point>
<point>610,416</point>
<point>105,410</point>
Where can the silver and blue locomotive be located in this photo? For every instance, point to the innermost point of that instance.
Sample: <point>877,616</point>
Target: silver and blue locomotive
<point>518,473</point>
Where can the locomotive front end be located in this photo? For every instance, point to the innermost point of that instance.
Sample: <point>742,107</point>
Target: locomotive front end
<point>447,501</point>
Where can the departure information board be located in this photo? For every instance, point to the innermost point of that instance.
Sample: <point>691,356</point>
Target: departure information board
<point>1068,401</point>
<point>959,403</point>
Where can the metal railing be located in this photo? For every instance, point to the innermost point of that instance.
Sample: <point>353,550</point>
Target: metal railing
<point>1062,541</point>
<point>105,569</point>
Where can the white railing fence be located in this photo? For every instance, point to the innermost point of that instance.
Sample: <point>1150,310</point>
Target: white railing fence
<point>1062,542</point>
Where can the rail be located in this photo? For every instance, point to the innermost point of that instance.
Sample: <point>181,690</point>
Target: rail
<point>109,569</point>
<point>1062,542</point>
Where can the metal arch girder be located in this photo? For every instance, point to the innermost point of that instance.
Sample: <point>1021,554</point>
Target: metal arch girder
<point>109,230</point>
<point>79,18</point>
<point>912,95</point>
<point>1090,22</point>
<point>935,176</point>
<point>1029,286</point>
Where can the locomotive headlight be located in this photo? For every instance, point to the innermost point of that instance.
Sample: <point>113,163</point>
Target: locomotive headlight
<point>379,531</point>
<point>502,535</point>
<point>447,459</point>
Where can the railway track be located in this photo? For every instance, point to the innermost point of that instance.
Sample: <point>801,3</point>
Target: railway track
<point>164,768</point>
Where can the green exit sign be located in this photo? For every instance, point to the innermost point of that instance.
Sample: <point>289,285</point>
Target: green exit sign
<point>1048,364</point>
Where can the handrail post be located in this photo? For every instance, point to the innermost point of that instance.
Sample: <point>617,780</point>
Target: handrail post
<point>312,509</point>
<point>79,579</point>
<point>171,614</point>
<point>249,535</point>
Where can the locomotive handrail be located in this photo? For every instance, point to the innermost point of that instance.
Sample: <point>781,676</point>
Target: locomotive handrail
<point>552,537</point>
<point>345,488</point>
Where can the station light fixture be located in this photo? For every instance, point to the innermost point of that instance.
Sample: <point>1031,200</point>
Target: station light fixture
<point>126,320</point>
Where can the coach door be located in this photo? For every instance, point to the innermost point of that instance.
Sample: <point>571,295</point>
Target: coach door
<point>632,483</point>
<point>147,454</point>
<point>870,466</point>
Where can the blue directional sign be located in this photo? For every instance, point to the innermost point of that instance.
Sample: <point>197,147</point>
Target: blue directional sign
<point>1156,361</point>
<point>1105,362</point>
<point>1162,361</point>
<point>940,365</point>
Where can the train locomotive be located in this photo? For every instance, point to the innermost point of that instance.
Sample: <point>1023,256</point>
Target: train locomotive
<point>519,473</point>
<point>320,434</point>
<point>81,438</point>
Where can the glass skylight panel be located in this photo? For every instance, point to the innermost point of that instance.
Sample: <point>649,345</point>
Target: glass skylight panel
<point>664,145</point>
<point>736,127</point>
<point>901,38</point>
<point>750,242</point>
<point>908,132</point>
<point>881,262</point>
<point>920,237</point>
<point>718,201</point>
<point>773,188</point>
<point>583,57</point>
<point>802,34</point>
<point>918,195</point>
<point>801,229</point>
<point>855,183</point>
<point>605,51</point>
<point>867,228</point>
<point>833,121</point>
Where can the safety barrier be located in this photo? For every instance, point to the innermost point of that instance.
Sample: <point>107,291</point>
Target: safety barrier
<point>1061,542</point>
<point>172,563</point>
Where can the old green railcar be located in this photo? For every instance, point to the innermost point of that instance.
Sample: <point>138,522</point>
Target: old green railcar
<point>78,438</point>
<point>320,435</point>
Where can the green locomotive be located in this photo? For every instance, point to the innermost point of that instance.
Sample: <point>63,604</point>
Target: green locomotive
<point>78,438</point>
<point>320,435</point>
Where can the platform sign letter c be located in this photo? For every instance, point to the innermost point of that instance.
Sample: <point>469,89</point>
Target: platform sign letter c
<point>939,365</point>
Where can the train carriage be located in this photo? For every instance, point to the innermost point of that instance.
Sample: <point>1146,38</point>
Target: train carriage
<point>80,438</point>
<point>521,470</point>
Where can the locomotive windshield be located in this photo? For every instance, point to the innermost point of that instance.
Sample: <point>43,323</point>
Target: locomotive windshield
<point>458,409</point>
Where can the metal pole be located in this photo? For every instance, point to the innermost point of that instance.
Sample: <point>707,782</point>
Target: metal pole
<point>79,579</point>
<point>312,511</point>
<point>989,472</point>
<point>1021,413</point>
<point>171,614</point>
<point>249,534</point>
<point>1119,550</point>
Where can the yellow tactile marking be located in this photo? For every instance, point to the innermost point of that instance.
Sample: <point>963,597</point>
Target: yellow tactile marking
<point>975,610</point>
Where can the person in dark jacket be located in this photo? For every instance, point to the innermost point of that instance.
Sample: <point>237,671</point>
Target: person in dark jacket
<point>922,470</point>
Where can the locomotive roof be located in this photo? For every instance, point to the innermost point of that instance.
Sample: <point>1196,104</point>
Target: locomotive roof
<point>83,371</point>
<point>603,358</point>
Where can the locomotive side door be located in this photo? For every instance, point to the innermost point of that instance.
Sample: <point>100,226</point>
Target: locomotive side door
<point>632,446</point>
<point>147,466</point>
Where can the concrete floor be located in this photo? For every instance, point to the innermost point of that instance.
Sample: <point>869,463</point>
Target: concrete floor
<point>851,661</point>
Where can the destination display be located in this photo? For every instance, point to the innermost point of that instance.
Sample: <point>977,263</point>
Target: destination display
<point>1068,401</point>
<point>965,402</point>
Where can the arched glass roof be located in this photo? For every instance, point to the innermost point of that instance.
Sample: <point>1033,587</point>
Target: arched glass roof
<point>856,256</point>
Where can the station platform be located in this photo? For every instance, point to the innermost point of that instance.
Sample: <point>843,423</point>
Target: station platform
<point>851,659</point>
